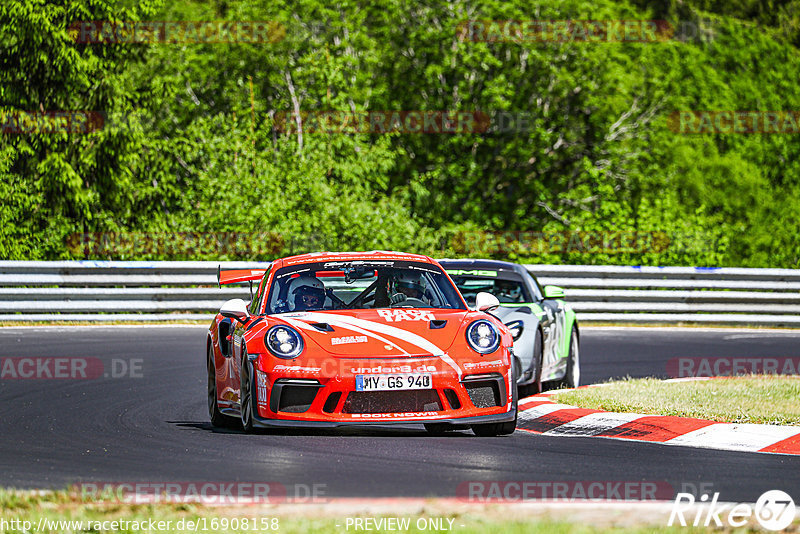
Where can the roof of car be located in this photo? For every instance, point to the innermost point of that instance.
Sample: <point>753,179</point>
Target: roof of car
<point>375,255</point>
<point>482,264</point>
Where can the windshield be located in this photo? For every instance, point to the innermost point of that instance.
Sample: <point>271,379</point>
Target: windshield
<point>353,285</point>
<point>507,290</point>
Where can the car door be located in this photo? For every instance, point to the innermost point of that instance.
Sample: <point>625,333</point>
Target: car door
<point>238,345</point>
<point>552,326</point>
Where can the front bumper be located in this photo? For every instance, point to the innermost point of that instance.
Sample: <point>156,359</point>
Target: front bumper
<point>307,399</point>
<point>261,422</point>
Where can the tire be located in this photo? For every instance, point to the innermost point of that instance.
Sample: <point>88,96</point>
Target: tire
<point>501,429</point>
<point>538,356</point>
<point>246,396</point>
<point>218,419</point>
<point>495,429</point>
<point>572,376</point>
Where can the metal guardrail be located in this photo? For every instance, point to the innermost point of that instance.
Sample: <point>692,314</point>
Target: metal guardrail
<point>159,291</point>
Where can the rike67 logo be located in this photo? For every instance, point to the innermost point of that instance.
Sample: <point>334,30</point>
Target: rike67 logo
<point>774,510</point>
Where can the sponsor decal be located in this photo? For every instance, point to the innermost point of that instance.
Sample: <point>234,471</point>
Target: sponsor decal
<point>396,369</point>
<point>261,384</point>
<point>474,272</point>
<point>395,316</point>
<point>358,263</point>
<point>476,365</point>
<point>556,334</point>
<point>348,339</point>
<point>296,369</point>
<point>391,415</point>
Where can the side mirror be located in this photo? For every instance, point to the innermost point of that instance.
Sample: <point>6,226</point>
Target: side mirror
<point>235,309</point>
<point>485,301</point>
<point>553,292</point>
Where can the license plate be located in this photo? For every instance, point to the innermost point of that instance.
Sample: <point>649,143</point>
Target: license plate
<point>393,382</point>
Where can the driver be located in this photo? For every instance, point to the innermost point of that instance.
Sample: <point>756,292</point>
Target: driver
<point>307,293</point>
<point>508,291</point>
<point>408,286</point>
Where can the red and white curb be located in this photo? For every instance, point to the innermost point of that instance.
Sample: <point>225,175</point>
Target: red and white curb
<point>541,415</point>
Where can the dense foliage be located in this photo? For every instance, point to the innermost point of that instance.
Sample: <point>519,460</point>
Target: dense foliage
<point>195,158</point>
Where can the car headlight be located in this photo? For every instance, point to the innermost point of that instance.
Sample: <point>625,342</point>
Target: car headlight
<point>516,329</point>
<point>284,342</point>
<point>483,337</point>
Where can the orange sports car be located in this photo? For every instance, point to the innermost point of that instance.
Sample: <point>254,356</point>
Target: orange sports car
<point>332,339</point>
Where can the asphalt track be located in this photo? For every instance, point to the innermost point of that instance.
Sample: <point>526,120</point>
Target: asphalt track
<point>153,427</point>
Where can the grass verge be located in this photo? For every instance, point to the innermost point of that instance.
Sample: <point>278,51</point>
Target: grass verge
<point>42,512</point>
<point>746,399</point>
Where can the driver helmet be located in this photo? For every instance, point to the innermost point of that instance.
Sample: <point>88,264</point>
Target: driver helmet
<point>410,285</point>
<point>307,292</point>
<point>510,290</point>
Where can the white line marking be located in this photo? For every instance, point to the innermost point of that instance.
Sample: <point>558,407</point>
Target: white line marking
<point>761,336</point>
<point>529,414</point>
<point>593,424</point>
<point>735,437</point>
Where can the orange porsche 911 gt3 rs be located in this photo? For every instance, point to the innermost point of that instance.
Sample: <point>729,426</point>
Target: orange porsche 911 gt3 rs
<point>332,339</point>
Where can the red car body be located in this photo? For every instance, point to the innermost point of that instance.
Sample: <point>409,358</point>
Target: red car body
<point>319,387</point>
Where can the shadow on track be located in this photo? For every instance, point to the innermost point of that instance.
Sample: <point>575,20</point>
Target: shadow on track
<point>350,431</point>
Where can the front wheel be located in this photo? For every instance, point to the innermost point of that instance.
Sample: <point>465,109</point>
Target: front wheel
<point>501,429</point>
<point>218,419</point>
<point>572,377</point>
<point>246,396</point>
<point>495,429</point>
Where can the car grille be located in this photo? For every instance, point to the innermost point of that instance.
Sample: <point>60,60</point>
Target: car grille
<point>293,396</point>
<point>422,400</point>
<point>485,390</point>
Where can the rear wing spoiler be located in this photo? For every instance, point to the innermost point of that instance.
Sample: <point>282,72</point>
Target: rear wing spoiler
<point>234,276</point>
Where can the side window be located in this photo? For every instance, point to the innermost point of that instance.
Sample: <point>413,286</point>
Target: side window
<point>537,289</point>
<point>255,305</point>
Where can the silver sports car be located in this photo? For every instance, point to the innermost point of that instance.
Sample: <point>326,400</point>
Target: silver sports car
<point>545,330</point>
